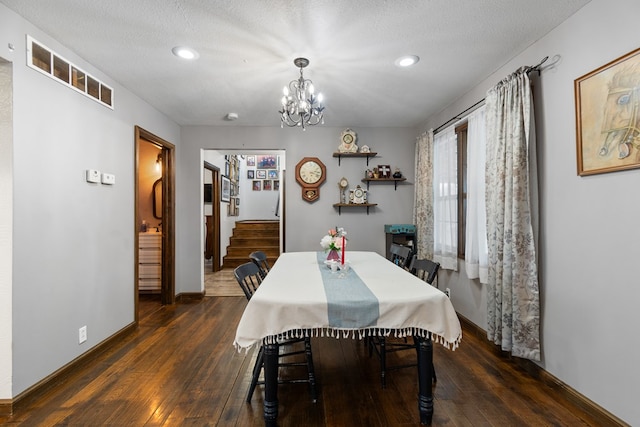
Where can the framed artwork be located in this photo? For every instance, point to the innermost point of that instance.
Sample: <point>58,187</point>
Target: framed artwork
<point>237,201</point>
<point>261,174</point>
<point>257,185</point>
<point>607,117</point>
<point>267,162</point>
<point>384,171</point>
<point>272,174</point>
<point>266,185</point>
<point>251,160</point>
<point>225,191</point>
<point>251,174</point>
<point>226,168</point>
<point>276,185</point>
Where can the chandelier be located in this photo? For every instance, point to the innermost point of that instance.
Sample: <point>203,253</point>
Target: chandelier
<point>300,105</point>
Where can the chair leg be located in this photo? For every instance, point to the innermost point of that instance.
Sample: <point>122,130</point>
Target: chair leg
<point>257,368</point>
<point>311,370</point>
<point>383,361</point>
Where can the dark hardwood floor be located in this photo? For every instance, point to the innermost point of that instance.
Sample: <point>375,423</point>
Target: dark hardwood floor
<point>179,368</point>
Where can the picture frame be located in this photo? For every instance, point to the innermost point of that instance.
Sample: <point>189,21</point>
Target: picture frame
<point>606,117</point>
<point>225,190</point>
<point>256,185</point>
<point>261,174</point>
<point>251,160</point>
<point>267,185</point>
<point>384,171</point>
<point>272,174</point>
<point>208,193</point>
<point>276,185</point>
<point>251,174</point>
<point>267,162</point>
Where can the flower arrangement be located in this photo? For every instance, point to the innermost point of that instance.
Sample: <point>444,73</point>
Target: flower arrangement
<point>333,240</point>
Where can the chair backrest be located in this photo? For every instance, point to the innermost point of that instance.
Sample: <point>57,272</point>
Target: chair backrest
<point>400,254</point>
<point>259,258</point>
<point>425,269</point>
<point>248,277</point>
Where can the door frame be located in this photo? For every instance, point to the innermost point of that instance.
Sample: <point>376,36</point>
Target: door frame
<point>215,210</point>
<point>167,288</point>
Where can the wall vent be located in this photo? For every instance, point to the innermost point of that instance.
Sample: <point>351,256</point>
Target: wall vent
<point>46,61</point>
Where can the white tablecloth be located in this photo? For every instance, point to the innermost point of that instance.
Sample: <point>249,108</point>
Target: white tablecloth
<point>293,298</point>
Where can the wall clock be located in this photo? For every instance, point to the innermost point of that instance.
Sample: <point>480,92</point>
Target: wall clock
<point>310,174</point>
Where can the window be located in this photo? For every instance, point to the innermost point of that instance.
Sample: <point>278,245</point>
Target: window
<point>461,134</point>
<point>44,60</point>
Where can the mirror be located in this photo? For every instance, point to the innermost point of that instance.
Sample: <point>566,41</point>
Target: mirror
<point>157,199</point>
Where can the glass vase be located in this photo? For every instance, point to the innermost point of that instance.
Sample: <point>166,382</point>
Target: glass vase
<point>333,255</point>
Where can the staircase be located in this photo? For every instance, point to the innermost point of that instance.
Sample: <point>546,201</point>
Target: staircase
<point>249,236</point>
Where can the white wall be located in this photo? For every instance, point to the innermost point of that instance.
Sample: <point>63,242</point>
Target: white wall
<point>257,204</point>
<point>73,242</point>
<point>305,222</point>
<point>6,220</point>
<point>589,235</point>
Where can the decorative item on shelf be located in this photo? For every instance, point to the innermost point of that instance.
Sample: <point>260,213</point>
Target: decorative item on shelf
<point>300,106</point>
<point>397,173</point>
<point>358,195</point>
<point>348,142</point>
<point>365,149</point>
<point>343,184</point>
<point>375,173</point>
<point>384,171</point>
<point>335,241</point>
<point>368,174</point>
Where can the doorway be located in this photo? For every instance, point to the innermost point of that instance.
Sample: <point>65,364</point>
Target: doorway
<point>155,218</point>
<point>211,179</point>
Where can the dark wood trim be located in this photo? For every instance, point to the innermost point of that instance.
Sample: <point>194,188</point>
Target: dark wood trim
<point>36,391</point>
<point>190,296</point>
<point>168,216</point>
<point>215,210</point>
<point>536,371</point>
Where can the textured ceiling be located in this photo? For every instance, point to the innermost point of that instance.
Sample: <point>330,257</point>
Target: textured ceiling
<point>247,49</point>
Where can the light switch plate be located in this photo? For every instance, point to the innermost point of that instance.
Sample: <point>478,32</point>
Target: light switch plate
<point>93,175</point>
<point>108,178</point>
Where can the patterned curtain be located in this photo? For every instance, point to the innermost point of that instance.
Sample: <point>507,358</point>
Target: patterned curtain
<point>513,307</point>
<point>423,196</point>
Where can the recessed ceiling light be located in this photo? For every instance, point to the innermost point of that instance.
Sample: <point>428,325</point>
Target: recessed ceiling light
<point>185,52</point>
<point>407,60</point>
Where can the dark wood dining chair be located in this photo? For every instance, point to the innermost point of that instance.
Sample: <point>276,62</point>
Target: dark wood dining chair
<point>249,278</point>
<point>399,255</point>
<point>259,258</point>
<point>426,270</point>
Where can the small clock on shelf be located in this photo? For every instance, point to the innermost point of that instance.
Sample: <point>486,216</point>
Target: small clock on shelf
<point>348,142</point>
<point>343,184</point>
<point>358,195</point>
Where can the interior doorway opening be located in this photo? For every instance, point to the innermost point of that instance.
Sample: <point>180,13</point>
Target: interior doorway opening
<point>251,190</point>
<point>155,223</point>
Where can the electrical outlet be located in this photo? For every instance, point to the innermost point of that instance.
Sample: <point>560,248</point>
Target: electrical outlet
<point>448,292</point>
<point>82,335</point>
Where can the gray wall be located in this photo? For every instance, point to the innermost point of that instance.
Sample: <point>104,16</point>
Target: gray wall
<point>306,223</point>
<point>73,242</point>
<point>589,240</point>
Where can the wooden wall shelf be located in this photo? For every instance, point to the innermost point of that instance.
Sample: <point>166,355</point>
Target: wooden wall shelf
<point>394,180</point>
<point>341,155</point>
<point>353,205</point>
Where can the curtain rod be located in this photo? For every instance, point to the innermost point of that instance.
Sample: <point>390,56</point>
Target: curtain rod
<point>527,69</point>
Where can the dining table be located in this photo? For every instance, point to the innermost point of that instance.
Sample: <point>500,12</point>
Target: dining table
<point>366,296</point>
